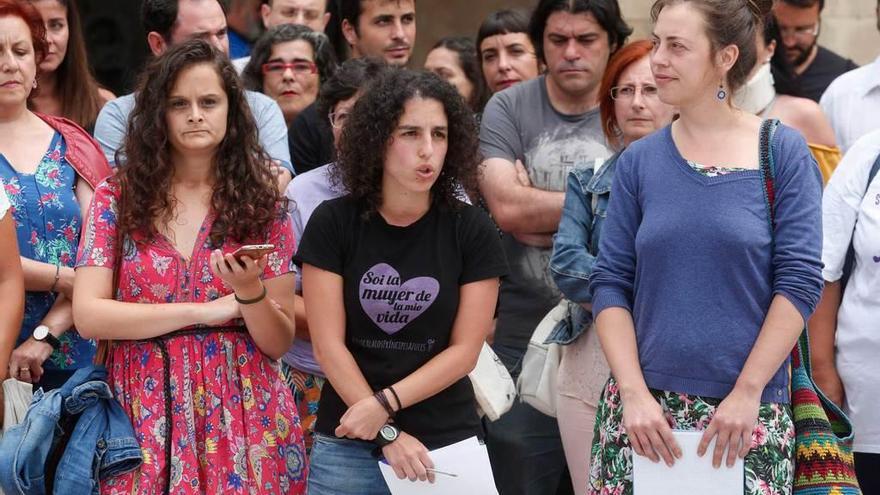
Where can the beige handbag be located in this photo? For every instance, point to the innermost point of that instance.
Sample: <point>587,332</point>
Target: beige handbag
<point>540,366</point>
<point>17,397</point>
<point>493,386</point>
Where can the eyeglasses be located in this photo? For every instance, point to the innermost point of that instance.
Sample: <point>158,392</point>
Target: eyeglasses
<point>800,32</point>
<point>299,68</point>
<point>629,92</point>
<point>337,119</point>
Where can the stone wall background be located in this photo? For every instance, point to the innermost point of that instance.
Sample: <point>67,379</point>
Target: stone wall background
<point>849,27</point>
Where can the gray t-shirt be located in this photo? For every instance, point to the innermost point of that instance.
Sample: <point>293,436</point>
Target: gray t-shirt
<point>520,123</point>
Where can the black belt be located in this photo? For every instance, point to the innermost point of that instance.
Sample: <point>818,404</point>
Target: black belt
<point>162,341</point>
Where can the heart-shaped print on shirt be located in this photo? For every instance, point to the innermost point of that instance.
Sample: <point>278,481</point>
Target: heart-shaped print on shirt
<point>876,259</point>
<point>392,303</point>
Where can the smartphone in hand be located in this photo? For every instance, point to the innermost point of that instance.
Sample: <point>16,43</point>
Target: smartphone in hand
<point>253,251</point>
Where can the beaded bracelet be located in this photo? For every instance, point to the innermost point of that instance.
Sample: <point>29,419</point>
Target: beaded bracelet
<point>383,400</point>
<point>396,398</point>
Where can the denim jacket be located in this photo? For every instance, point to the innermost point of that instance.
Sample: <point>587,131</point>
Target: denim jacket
<point>576,244</point>
<point>100,441</point>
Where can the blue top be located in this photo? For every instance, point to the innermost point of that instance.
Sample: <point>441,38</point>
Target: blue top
<point>692,258</point>
<point>238,46</point>
<point>48,223</point>
<point>576,243</point>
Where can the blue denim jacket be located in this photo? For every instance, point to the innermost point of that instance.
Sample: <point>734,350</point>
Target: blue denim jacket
<point>576,244</point>
<point>101,442</point>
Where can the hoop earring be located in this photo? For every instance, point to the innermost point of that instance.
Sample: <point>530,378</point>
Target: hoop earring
<point>721,94</point>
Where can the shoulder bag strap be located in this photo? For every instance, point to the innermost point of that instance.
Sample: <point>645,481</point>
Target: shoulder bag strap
<point>850,259</point>
<point>800,355</point>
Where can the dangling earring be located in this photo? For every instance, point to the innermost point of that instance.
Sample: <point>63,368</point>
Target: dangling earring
<point>35,83</point>
<point>721,95</point>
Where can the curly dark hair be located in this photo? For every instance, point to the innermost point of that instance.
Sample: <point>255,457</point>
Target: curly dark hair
<point>245,199</point>
<point>375,116</point>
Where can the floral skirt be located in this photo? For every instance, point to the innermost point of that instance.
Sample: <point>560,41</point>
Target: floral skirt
<point>234,426</point>
<point>769,465</point>
<point>306,390</point>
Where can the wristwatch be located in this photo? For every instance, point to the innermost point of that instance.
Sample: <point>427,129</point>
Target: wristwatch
<point>387,434</point>
<point>42,334</point>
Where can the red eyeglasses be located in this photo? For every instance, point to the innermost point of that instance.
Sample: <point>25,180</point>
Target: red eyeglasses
<point>299,68</point>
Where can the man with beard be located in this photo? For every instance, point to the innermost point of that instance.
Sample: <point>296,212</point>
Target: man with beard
<point>532,135</point>
<point>814,66</point>
<point>383,29</point>
<point>852,102</point>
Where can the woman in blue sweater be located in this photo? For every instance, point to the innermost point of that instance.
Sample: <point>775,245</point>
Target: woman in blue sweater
<point>697,303</point>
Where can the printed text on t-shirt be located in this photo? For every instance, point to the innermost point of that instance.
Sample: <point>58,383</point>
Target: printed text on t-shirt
<point>392,303</point>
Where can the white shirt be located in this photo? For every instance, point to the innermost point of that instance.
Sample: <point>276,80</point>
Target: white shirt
<point>846,205</point>
<point>852,104</point>
<point>240,63</point>
<point>4,200</point>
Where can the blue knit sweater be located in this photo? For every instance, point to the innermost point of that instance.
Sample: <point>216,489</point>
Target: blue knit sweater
<point>692,258</point>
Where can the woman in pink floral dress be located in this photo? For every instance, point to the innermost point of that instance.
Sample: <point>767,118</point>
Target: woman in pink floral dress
<point>195,335</point>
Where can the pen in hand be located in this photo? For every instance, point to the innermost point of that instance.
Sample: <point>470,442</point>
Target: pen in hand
<point>441,472</point>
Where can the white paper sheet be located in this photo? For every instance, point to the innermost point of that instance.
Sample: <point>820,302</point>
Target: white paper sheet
<point>468,459</point>
<point>690,474</point>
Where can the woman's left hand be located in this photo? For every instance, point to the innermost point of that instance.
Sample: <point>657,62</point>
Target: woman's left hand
<point>26,362</point>
<point>733,424</point>
<point>362,420</point>
<point>243,276</point>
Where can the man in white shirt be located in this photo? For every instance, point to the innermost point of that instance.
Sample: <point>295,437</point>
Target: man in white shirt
<point>310,13</point>
<point>852,102</point>
<point>845,336</point>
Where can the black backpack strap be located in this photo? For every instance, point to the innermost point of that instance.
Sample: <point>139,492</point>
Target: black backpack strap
<point>873,173</point>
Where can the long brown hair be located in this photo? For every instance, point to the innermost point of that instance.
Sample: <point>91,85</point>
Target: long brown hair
<point>245,200</point>
<point>77,87</point>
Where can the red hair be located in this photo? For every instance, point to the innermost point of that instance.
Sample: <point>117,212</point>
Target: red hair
<point>27,13</point>
<point>626,56</point>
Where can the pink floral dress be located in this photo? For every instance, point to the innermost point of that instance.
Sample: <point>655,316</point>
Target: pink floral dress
<point>234,426</point>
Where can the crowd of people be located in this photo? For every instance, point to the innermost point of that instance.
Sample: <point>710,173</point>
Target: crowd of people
<point>283,253</point>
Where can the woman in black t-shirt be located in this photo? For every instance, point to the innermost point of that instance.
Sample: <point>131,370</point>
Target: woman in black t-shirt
<point>400,280</point>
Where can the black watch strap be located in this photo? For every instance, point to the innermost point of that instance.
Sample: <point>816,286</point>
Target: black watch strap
<point>51,340</point>
<point>381,441</point>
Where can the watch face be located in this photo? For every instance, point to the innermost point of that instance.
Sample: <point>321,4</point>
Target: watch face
<point>389,433</point>
<point>41,332</point>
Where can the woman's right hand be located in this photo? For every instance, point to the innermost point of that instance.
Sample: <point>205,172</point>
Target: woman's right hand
<point>828,380</point>
<point>220,310</point>
<point>649,433</point>
<point>409,458</point>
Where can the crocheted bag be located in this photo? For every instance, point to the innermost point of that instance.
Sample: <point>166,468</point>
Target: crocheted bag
<point>823,433</point>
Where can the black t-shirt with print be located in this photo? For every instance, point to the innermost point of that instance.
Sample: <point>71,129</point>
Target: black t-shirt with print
<point>401,294</point>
